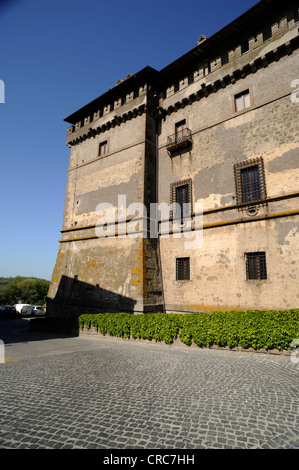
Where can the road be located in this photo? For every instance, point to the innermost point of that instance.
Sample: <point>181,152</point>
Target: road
<point>60,392</point>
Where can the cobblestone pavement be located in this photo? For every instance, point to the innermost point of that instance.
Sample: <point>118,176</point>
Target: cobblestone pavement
<point>125,395</point>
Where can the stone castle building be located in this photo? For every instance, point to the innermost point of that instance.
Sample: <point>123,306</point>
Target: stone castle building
<point>215,133</point>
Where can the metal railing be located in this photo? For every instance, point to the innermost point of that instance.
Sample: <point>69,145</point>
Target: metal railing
<point>180,138</point>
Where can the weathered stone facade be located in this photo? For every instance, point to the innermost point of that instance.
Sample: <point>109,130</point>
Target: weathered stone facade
<point>217,128</point>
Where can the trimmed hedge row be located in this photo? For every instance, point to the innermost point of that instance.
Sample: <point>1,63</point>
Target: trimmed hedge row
<point>252,328</point>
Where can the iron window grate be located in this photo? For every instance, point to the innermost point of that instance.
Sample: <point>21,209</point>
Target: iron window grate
<point>256,269</point>
<point>250,182</point>
<point>181,193</point>
<point>183,269</point>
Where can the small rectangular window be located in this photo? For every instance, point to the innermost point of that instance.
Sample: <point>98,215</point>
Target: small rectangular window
<point>103,148</point>
<point>245,47</point>
<point>256,269</point>
<point>206,67</point>
<point>224,58</point>
<point>183,269</point>
<point>190,78</point>
<point>242,100</point>
<point>176,87</point>
<point>267,33</point>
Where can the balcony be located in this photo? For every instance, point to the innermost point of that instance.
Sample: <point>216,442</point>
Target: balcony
<point>180,140</point>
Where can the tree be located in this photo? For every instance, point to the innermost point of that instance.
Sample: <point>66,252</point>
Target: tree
<point>31,290</point>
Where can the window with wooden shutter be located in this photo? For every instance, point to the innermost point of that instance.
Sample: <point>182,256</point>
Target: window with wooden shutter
<point>103,148</point>
<point>242,100</point>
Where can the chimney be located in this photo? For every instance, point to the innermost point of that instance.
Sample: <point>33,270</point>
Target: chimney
<point>201,39</point>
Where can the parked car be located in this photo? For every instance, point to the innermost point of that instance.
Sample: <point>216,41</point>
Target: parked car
<point>23,309</point>
<point>7,311</point>
<point>37,310</point>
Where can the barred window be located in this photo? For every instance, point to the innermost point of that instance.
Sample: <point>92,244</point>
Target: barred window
<point>183,269</point>
<point>256,266</point>
<point>181,193</point>
<point>250,181</point>
<point>182,196</point>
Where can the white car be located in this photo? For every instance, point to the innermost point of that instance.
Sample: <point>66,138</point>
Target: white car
<point>23,309</point>
<point>37,310</point>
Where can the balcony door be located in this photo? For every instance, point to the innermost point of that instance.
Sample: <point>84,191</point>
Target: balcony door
<point>180,131</point>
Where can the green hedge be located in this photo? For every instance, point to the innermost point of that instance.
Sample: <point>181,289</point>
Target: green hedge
<point>255,329</point>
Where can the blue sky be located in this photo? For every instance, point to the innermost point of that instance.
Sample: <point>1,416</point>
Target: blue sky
<point>56,57</point>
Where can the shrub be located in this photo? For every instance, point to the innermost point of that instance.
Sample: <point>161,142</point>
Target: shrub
<point>251,328</point>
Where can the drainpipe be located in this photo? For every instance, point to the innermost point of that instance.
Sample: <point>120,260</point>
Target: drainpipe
<point>157,195</point>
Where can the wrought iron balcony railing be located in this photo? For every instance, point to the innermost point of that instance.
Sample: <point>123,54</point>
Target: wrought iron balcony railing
<point>182,138</point>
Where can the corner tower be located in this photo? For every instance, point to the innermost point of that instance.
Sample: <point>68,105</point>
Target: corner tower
<point>105,260</point>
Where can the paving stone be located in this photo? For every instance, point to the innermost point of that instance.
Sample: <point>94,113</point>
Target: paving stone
<point>125,395</point>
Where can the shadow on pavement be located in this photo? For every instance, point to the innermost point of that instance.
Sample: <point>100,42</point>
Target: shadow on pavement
<point>22,330</point>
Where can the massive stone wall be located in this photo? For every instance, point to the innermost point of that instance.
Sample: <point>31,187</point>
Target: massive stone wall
<point>222,137</point>
<point>106,266</point>
<point>105,263</point>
